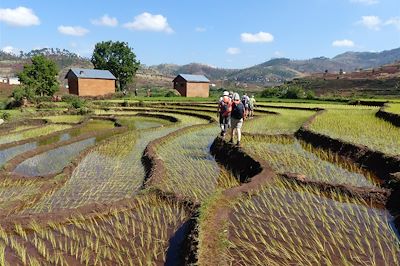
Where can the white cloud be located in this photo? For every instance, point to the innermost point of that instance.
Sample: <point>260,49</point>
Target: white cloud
<point>257,37</point>
<point>343,43</point>
<point>394,21</point>
<point>233,51</point>
<point>200,29</point>
<point>10,50</point>
<point>371,22</point>
<point>20,16</point>
<point>365,2</point>
<point>73,30</point>
<point>105,21</point>
<point>149,22</point>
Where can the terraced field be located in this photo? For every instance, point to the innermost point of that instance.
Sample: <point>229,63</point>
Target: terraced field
<point>137,184</point>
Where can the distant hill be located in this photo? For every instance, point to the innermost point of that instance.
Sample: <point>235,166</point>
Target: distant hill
<point>278,70</point>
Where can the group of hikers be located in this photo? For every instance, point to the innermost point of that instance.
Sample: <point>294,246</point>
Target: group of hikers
<point>232,111</point>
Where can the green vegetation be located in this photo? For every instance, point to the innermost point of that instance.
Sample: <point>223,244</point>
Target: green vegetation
<point>118,58</point>
<point>38,78</point>
<point>286,224</point>
<point>286,122</point>
<point>287,155</point>
<point>394,108</point>
<point>360,127</point>
<point>71,119</point>
<point>36,132</point>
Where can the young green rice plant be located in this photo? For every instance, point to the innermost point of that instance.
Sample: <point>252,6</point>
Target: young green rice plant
<point>359,127</point>
<point>190,170</point>
<point>287,122</point>
<point>91,126</point>
<point>35,132</point>
<point>52,161</point>
<point>71,119</point>
<point>137,234</point>
<point>139,123</point>
<point>111,171</point>
<point>293,156</point>
<point>393,108</point>
<point>286,224</point>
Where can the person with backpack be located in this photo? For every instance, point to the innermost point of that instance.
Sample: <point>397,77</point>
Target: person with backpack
<point>237,116</point>
<point>252,105</point>
<point>246,101</point>
<point>225,108</point>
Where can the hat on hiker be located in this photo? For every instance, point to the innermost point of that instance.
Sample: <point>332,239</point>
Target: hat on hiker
<point>236,97</point>
<point>226,93</point>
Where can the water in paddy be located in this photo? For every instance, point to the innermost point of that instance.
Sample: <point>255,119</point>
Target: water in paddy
<point>53,161</point>
<point>109,172</point>
<point>289,225</point>
<point>139,123</point>
<point>293,156</point>
<point>95,125</point>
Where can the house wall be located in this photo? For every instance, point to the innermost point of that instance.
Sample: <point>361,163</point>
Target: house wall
<point>180,86</point>
<point>197,89</point>
<point>95,87</point>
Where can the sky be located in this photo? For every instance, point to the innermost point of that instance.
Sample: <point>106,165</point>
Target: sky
<point>220,33</point>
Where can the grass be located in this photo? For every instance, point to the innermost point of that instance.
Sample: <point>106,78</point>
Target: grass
<point>35,132</point>
<point>287,122</point>
<point>360,127</point>
<point>286,224</point>
<point>293,156</point>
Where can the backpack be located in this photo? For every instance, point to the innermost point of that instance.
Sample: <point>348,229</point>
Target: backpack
<point>225,107</point>
<point>237,110</point>
<point>245,100</point>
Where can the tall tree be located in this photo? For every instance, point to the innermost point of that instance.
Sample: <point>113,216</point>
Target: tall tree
<point>40,76</point>
<point>118,58</point>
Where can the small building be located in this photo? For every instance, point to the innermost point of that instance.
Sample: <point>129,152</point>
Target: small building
<point>192,85</point>
<point>90,82</point>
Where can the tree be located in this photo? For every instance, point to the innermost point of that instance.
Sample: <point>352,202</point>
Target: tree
<point>40,77</point>
<point>118,58</point>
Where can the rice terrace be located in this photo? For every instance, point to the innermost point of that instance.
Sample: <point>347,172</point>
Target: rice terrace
<point>106,159</point>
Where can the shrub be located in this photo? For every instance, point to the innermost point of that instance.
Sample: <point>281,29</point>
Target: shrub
<point>271,92</point>
<point>6,116</point>
<point>142,103</point>
<point>75,101</point>
<point>310,95</point>
<point>23,91</point>
<point>84,111</point>
<point>125,103</point>
<point>293,92</point>
<point>172,94</point>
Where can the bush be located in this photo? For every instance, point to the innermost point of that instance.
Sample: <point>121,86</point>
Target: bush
<point>23,91</point>
<point>142,103</point>
<point>5,116</point>
<point>271,92</point>
<point>74,101</point>
<point>293,92</point>
<point>172,94</point>
<point>46,105</point>
<point>125,104</point>
<point>84,111</point>
<point>310,95</point>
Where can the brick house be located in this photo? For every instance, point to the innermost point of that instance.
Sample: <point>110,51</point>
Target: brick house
<point>90,82</point>
<point>192,85</point>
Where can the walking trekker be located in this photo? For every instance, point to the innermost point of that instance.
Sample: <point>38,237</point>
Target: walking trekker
<point>252,105</point>
<point>237,116</point>
<point>246,102</point>
<point>225,108</point>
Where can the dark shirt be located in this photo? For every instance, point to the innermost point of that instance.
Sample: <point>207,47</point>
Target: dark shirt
<point>237,110</point>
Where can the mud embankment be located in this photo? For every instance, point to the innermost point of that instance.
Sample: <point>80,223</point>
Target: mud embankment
<point>389,117</point>
<point>378,162</point>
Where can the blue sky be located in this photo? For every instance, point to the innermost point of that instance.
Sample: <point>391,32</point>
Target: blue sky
<point>222,33</point>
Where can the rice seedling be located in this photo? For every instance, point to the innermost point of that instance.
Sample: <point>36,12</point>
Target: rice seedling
<point>137,234</point>
<point>285,224</point>
<point>111,171</point>
<point>360,127</point>
<point>35,132</point>
<point>329,106</point>
<point>139,123</point>
<point>393,108</point>
<point>52,161</point>
<point>287,122</point>
<point>190,170</point>
<point>91,126</point>
<point>20,128</point>
<point>71,119</point>
<point>291,155</point>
